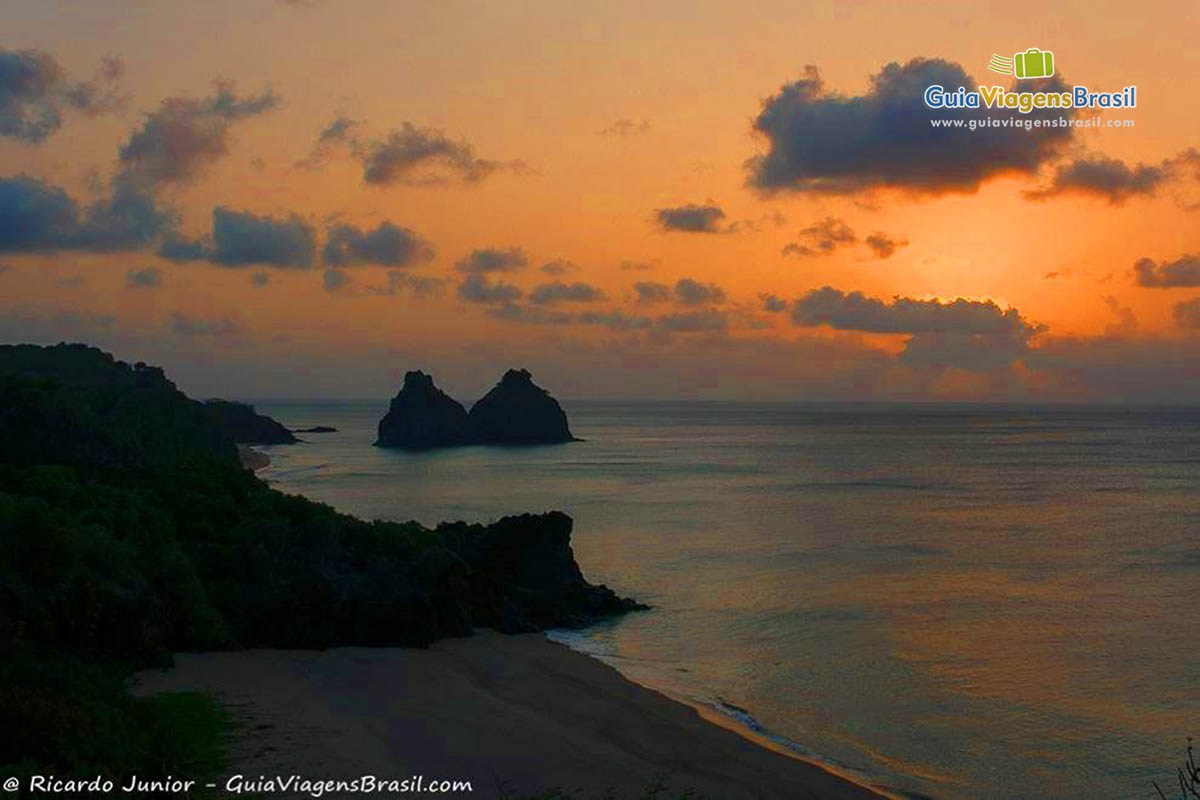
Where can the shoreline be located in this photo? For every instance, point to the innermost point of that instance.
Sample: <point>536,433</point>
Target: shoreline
<point>252,459</point>
<point>514,713</point>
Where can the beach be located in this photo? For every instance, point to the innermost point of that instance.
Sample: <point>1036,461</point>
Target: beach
<point>252,459</point>
<point>510,714</point>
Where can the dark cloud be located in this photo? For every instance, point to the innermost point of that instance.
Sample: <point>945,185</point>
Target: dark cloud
<point>708,319</point>
<point>772,303</point>
<point>148,278</point>
<point>855,311</point>
<point>531,315</point>
<point>479,289</point>
<point>183,325</point>
<point>1101,176</point>
<point>1182,272</point>
<point>559,266</point>
<point>651,292</point>
<point>241,239</point>
<point>339,132</point>
<point>34,92</point>
<point>822,142</point>
<point>974,352</point>
<point>821,238</point>
<point>690,218</point>
<point>1187,314</point>
<point>423,156</point>
<point>38,217</point>
<point>1126,323</point>
<point>559,292</point>
<point>615,320</point>
<point>421,286</point>
<point>884,246</point>
<point>689,292</point>
<point>490,259</point>
<point>334,279</point>
<point>630,265</point>
<point>387,245</point>
<point>260,279</point>
<point>184,135</point>
<point>626,127</point>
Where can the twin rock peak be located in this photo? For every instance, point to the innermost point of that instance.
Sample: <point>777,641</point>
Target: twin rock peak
<point>516,411</point>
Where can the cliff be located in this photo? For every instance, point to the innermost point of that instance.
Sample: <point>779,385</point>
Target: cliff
<point>241,423</point>
<point>422,416</point>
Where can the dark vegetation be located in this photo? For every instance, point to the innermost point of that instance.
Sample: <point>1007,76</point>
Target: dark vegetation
<point>1188,777</point>
<point>128,531</point>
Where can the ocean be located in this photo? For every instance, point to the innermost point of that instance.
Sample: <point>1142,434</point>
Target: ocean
<point>948,601</point>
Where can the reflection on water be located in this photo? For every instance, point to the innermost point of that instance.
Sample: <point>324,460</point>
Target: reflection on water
<point>960,602</point>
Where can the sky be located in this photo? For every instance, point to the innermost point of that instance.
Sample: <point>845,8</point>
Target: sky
<point>670,200</point>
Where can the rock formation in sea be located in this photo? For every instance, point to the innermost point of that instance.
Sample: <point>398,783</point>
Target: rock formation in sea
<point>422,417</point>
<point>518,411</point>
<point>241,423</point>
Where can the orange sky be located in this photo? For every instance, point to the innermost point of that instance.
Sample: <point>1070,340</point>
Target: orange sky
<point>540,84</point>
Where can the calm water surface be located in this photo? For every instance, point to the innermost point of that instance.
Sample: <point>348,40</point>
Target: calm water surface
<point>958,602</point>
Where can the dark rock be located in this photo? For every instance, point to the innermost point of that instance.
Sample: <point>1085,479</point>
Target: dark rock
<point>523,575</point>
<point>242,424</point>
<point>422,417</point>
<point>315,429</point>
<point>518,411</point>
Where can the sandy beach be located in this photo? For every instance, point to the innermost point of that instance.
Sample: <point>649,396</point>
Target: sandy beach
<point>252,459</point>
<point>512,714</point>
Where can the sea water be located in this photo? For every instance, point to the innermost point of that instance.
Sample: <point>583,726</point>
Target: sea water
<point>948,601</point>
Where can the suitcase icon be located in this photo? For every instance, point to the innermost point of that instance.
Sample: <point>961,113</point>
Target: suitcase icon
<point>1033,63</point>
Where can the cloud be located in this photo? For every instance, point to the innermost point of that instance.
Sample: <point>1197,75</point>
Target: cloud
<point>1187,314</point>
<point>34,92</point>
<point>478,288</point>
<point>559,266</point>
<point>491,259</point>
<point>260,279</point>
<point>334,279</point>
<point>689,292</point>
<point>973,352</point>
<point>559,292</point>
<point>531,315</point>
<point>183,325</point>
<point>615,320</point>
<point>388,245</point>
<point>630,265</point>
<point>420,286</point>
<point>821,238</point>
<point>884,246</point>
<point>651,292</point>
<point>709,319</point>
<point>772,303</point>
<point>148,278</point>
<point>339,132</point>
<point>1101,176</point>
<point>690,218</point>
<point>1126,324</point>
<point>38,217</point>
<point>241,239</point>
<point>1182,272</point>
<point>176,141</point>
<point>826,143</point>
<point>415,155</point>
<point>626,127</point>
<point>855,311</point>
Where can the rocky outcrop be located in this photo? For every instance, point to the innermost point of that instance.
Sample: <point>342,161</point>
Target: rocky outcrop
<point>518,411</point>
<point>523,575</point>
<point>422,417</point>
<point>242,424</point>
